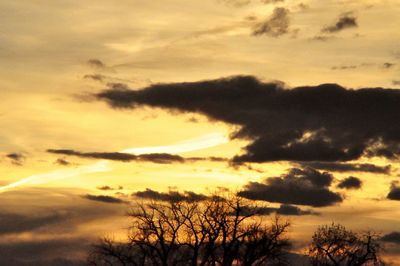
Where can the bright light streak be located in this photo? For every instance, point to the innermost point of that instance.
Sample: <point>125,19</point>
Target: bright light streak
<point>100,166</point>
<point>203,142</point>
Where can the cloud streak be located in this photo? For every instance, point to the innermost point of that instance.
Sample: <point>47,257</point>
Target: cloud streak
<point>175,196</point>
<point>349,167</point>
<point>159,158</point>
<point>104,199</point>
<point>283,209</point>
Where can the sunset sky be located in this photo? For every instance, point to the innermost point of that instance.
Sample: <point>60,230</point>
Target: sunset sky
<point>295,103</point>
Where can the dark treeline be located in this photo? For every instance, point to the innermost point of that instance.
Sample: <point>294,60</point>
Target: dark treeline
<point>226,231</point>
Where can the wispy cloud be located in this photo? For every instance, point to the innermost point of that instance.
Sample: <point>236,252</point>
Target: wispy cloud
<point>104,199</point>
<point>345,21</point>
<point>16,158</point>
<point>275,25</point>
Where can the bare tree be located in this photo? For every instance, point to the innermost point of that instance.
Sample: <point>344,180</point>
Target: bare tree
<point>215,231</point>
<point>335,245</point>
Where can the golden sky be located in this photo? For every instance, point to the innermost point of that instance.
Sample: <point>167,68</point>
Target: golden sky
<point>57,57</point>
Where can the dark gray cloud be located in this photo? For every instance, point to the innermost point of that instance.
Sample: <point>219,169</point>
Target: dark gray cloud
<point>396,82</point>
<point>112,81</point>
<point>96,63</point>
<point>272,1</point>
<point>96,77</point>
<point>98,66</point>
<point>210,158</point>
<point>311,123</point>
<point>322,38</point>
<point>349,167</point>
<point>103,198</point>
<point>287,209</point>
<point>388,65</point>
<point>62,161</point>
<point>117,86</point>
<point>394,193</point>
<point>393,237</point>
<point>345,21</point>
<point>298,186</point>
<point>16,158</point>
<point>117,156</point>
<point>283,209</point>
<point>276,25</point>
<point>350,182</point>
<point>160,158</point>
<point>105,188</point>
<point>363,65</point>
<point>170,195</point>
<point>344,67</point>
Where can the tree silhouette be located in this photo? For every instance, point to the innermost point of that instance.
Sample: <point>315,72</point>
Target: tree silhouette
<point>337,246</point>
<point>215,231</point>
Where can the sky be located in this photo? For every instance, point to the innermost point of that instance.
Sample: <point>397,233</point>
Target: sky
<point>293,103</point>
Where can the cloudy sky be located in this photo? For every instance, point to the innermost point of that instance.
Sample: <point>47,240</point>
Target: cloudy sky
<point>293,103</point>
